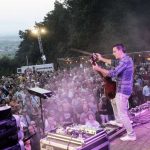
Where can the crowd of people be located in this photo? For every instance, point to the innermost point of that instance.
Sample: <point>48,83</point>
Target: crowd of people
<point>78,98</point>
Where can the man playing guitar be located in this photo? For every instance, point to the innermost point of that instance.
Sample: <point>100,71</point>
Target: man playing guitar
<point>124,74</point>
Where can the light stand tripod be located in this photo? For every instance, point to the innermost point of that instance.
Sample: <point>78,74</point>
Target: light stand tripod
<point>41,93</point>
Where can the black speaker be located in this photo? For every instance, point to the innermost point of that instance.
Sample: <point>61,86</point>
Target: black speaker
<point>5,112</point>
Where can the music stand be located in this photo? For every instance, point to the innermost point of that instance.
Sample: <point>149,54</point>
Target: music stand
<point>41,93</point>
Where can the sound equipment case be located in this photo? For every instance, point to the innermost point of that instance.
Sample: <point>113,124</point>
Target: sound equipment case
<point>55,141</point>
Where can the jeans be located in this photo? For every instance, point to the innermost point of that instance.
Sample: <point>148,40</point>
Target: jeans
<point>120,108</point>
<point>104,118</point>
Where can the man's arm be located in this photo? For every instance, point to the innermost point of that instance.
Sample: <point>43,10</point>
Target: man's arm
<point>100,58</point>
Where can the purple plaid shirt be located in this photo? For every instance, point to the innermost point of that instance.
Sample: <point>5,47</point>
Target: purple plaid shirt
<point>124,73</point>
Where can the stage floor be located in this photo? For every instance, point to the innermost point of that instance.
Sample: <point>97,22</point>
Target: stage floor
<point>142,129</point>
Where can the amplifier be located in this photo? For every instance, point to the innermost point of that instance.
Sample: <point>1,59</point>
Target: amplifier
<point>5,112</point>
<point>55,141</point>
<point>10,132</point>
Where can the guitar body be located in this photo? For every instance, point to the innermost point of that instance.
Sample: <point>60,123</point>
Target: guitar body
<point>109,84</point>
<point>109,87</point>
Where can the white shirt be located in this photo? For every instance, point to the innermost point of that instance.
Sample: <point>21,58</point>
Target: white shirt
<point>146,91</point>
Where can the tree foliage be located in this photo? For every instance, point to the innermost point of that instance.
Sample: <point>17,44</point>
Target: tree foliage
<point>8,66</point>
<point>91,25</point>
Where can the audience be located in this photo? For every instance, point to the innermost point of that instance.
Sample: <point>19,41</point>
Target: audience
<point>76,94</point>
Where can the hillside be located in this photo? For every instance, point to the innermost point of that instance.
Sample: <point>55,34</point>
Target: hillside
<point>9,46</point>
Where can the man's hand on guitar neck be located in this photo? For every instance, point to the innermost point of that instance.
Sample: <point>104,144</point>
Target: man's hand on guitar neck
<point>97,68</point>
<point>99,57</point>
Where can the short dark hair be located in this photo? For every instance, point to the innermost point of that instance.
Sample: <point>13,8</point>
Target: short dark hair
<point>120,47</point>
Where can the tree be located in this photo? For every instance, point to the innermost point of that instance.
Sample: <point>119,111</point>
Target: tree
<point>91,25</point>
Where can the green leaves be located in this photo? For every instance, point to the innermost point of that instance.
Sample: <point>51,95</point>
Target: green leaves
<point>88,24</point>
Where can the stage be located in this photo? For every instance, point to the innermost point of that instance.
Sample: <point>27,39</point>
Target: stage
<point>142,129</point>
<point>109,136</point>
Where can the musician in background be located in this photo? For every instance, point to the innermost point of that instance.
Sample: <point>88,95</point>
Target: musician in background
<point>123,71</point>
<point>105,110</point>
<point>35,139</point>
